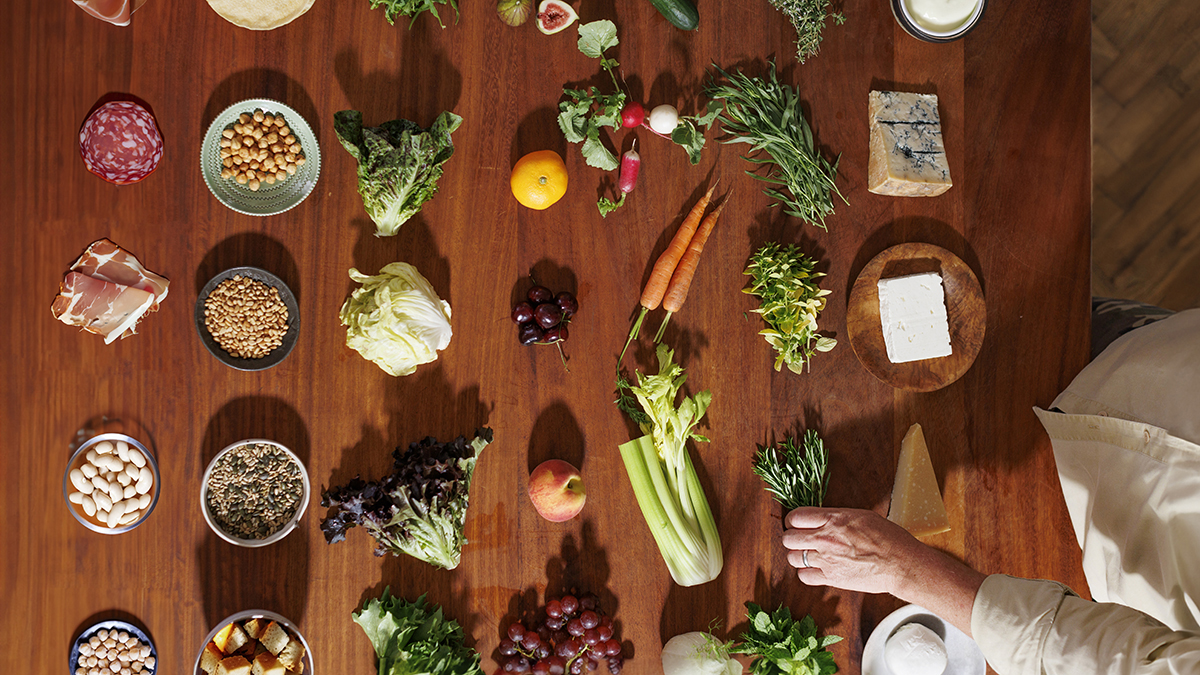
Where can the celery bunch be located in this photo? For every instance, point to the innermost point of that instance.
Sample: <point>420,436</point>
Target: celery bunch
<point>664,480</point>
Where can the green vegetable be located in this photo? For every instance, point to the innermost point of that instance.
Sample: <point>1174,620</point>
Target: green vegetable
<point>418,509</point>
<point>688,134</point>
<point>396,319</point>
<point>586,111</point>
<point>414,638</point>
<point>664,480</point>
<point>681,13</point>
<point>412,8</point>
<point>767,116</point>
<point>399,164</point>
<point>785,280</point>
<point>796,475</point>
<point>784,646</point>
<point>607,205</point>
<point>698,653</point>
<point>808,17</point>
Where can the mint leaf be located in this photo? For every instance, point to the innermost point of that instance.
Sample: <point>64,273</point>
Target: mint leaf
<point>596,37</point>
<point>783,646</point>
<point>607,205</point>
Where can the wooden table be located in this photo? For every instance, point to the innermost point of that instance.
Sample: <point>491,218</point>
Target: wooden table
<point>1014,97</point>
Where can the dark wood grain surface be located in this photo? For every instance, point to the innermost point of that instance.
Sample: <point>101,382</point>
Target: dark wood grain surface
<point>1014,100</point>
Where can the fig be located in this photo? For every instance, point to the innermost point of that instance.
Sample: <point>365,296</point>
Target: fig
<point>514,12</point>
<point>554,16</point>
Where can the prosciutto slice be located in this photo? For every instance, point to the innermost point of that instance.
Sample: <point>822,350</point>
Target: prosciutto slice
<point>107,291</point>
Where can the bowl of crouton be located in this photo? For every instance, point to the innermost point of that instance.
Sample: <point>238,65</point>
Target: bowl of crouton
<point>254,641</point>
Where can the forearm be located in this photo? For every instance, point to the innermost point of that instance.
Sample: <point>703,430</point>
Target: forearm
<point>937,582</point>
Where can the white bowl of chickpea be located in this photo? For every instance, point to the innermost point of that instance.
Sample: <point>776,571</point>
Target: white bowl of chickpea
<point>260,157</point>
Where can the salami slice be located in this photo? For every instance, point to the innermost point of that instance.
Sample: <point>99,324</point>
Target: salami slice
<point>120,142</point>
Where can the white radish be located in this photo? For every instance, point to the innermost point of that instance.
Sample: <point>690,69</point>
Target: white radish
<point>664,119</point>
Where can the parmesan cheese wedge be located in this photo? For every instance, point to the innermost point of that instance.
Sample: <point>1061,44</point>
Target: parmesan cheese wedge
<point>916,502</point>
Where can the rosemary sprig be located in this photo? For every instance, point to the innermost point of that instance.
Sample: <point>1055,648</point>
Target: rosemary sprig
<point>785,280</point>
<point>767,115</point>
<point>808,17</point>
<point>795,475</point>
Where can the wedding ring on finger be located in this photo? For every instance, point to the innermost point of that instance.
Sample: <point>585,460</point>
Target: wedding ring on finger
<point>804,558</point>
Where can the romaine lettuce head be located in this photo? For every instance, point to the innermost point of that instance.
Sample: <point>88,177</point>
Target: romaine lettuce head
<point>396,319</point>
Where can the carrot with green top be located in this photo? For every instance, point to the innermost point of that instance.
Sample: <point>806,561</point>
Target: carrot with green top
<point>681,279</point>
<point>664,267</point>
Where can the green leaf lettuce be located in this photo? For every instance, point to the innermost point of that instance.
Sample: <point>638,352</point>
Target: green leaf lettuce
<point>415,638</point>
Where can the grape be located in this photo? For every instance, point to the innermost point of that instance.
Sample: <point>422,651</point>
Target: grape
<point>614,665</point>
<point>592,665</point>
<point>507,647</point>
<point>516,632</point>
<point>589,600</point>
<point>509,665</point>
<point>558,665</point>
<point>567,303</point>
<point>570,605</point>
<point>612,648</point>
<point>576,667</point>
<point>553,609</point>
<point>522,313</point>
<point>555,624</point>
<point>591,636</point>
<point>560,636</point>
<point>531,641</point>
<point>542,667</point>
<point>564,649</point>
<point>606,632</point>
<point>606,621</point>
<point>589,619</point>
<point>575,627</point>
<point>547,316</point>
<point>556,334</point>
<point>543,650</point>
<point>539,294</point>
<point>529,333</point>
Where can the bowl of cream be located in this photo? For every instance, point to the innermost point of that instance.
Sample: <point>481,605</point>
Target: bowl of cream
<point>938,20</point>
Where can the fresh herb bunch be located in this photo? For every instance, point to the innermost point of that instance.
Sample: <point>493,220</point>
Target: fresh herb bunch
<point>419,509</point>
<point>796,474</point>
<point>415,638</point>
<point>808,17</point>
<point>585,111</point>
<point>784,646</point>
<point>413,8</point>
<point>785,281</point>
<point>767,115</point>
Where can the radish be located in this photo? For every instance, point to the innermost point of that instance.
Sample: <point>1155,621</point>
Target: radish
<point>631,162</point>
<point>632,115</point>
<point>664,119</point>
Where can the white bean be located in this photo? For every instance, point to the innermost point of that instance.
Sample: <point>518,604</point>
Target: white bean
<point>115,464</point>
<point>137,457</point>
<point>100,483</point>
<point>143,501</point>
<point>79,480</point>
<point>126,519</point>
<point>133,470</point>
<point>76,497</point>
<point>88,470</point>
<point>91,455</point>
<point>124,478</point>
<point>114,516</point>
<point>103,503</point>
<point>115,492</point>
<point>104,447</point>
<point>89,505</point>
<point>145,481</point>
<point>123,451</point>
<point>130,491</point>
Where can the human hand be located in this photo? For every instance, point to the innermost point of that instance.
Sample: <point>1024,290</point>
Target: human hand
<point>851,549</point>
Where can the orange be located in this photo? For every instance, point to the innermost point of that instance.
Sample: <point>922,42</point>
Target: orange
<point>539,179</point>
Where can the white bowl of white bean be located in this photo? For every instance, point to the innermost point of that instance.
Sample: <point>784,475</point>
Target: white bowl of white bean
<point>111,483</point>
<point>254,492</point>
<point>108,643</point>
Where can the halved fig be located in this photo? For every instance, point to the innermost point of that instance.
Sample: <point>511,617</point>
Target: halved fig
<point>554,16</point>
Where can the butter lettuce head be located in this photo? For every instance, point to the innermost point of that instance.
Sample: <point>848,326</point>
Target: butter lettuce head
<point>396,319</point>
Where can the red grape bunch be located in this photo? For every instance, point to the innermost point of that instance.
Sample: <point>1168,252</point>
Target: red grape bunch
<point>572,635</point>
<point>543,317</point>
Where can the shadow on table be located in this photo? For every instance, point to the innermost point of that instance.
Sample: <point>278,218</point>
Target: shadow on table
<point>414,243</point>
<point>250,249</point>
<point>259,83</point>
<point>425,84</point>
<point>109,615</point>
<point>233,578</point>
<point>920,229</point>
<point>555,435</point>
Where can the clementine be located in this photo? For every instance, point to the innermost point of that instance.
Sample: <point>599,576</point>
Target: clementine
<point>539,179</point>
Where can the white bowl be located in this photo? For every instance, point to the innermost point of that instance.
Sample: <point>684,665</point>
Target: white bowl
<point>287,527</point>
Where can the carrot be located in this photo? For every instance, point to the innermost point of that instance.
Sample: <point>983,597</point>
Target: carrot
<point>660,275</point>
<point>681,279</point>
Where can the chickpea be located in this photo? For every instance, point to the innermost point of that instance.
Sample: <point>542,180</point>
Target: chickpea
<point>268,119</point>
<point>284,132</point>
<point>225,142</point>
<point>254,184</point>
<point>241,178</point>
<point>270,179</point>
<point>258,115</point>
<point>227,163</point>
<point>228,133</point>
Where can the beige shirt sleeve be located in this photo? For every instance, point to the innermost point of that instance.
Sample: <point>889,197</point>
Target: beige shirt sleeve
<point>1027,627</point>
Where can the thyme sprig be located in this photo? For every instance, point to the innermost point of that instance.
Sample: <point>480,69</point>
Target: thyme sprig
<point>767,115</point>
<point>796,474</point>
<point>785,281</point>
<point>808,17</point>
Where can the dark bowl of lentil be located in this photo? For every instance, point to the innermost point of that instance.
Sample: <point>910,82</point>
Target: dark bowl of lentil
<point>254,492</point>
<point>247,318</point>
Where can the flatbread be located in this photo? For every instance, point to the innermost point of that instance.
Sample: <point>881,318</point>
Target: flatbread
<point>260,14</point>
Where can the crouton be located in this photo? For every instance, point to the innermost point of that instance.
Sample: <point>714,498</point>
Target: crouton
<point>274,638</point>
<point>210,658</point>
<point>234,665</point>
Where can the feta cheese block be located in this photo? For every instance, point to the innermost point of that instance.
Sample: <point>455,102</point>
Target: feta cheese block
<point>917,504</point>
<point>908,158</point>
<point>912,311</point>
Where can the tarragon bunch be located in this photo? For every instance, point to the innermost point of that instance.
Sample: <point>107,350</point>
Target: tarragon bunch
<point>785,281</point>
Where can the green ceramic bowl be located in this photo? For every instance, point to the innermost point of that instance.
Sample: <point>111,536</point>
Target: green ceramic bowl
<point>268,200</point>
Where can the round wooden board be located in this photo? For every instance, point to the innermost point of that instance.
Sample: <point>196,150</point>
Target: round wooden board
<point>965,311</point>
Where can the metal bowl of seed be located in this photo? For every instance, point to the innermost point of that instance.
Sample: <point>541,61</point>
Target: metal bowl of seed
<point>247,318</point>
<point>254,492</point>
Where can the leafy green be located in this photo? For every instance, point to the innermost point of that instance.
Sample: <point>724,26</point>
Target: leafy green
<point>797,475</point>
<point>784,646</point>
<point>585,111</point>
<point>396,320</point>
<point>597,37</point>
<point>413,8</point>
<point>767,116</point>
<point>415,638</point>
<point>419,509</point>
<point>785,280</point>
<point>688,134</point>
<point>607,205</point>
<point>399,164</point>
<point>808,17</point>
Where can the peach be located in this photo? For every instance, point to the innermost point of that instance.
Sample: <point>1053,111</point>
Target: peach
<point>556,490</point>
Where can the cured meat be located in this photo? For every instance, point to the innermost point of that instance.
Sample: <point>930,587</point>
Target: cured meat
<point>107,292</point>
<point>116,12</point>
<point>120,142</point>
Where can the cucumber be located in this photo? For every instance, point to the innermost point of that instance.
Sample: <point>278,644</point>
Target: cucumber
<point>681,13</point>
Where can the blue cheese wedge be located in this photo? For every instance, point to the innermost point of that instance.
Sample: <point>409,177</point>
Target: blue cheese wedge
<point>908,158</point>
<point>912,310</point>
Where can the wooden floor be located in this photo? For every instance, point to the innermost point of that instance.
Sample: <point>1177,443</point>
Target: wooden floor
<point>1146,151</point>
